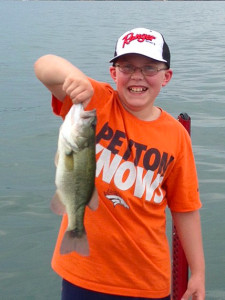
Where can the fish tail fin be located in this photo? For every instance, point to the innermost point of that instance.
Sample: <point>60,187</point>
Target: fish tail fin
<point>72,243</point>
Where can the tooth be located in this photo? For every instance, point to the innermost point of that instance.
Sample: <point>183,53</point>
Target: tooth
<point>138,90</point>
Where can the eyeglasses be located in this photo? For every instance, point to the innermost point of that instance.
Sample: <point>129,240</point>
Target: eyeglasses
<point>145,70</point>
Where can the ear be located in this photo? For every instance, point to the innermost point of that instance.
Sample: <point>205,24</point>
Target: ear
<point>167,77</point>
<point>112,71</point>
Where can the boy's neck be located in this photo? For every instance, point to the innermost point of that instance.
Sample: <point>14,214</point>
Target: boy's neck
<point>150,115</point>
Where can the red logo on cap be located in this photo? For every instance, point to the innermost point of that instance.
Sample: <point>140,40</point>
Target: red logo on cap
<point>139,37</point>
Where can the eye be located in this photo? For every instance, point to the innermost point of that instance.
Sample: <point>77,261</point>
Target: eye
<point>93,124</point>
<point>128,68</point>
<point>149,69</point>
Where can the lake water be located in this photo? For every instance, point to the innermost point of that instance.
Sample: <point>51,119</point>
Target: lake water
<point>85,33</point>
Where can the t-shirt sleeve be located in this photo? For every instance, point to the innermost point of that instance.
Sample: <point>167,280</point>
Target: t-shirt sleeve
<point>182,190</point>
<point>102,92</point>
<point>61,108</point>
<point>56,105</point>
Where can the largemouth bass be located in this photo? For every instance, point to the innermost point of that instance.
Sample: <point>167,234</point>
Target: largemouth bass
<point>75,176</point>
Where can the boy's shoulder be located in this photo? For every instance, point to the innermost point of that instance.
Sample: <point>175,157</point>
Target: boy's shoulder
<point>167,117</point>
<point>98,85</point>
<point>173,124</point>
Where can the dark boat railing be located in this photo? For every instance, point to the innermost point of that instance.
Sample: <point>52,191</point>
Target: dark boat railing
<point>179,264</point>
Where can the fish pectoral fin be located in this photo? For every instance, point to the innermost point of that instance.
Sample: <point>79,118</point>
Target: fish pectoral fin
<point>56,205</point>
<point>93,203</point>
<point>68,150</point>
<point>82,142</point>
<point>71,243</point>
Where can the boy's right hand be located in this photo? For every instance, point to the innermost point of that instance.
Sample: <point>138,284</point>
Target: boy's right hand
<point>79,89</point>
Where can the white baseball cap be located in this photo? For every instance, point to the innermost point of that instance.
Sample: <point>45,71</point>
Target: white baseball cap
<point>143,41</point>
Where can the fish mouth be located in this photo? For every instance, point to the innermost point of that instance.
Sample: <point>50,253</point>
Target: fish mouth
<point>135,89</point>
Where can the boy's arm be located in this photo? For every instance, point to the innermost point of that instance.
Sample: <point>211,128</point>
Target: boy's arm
<point>62,78</point>
<point>188,227</point>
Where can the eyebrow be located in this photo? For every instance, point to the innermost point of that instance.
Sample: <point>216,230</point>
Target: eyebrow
<point>148,61</point>
<point>144,64</point>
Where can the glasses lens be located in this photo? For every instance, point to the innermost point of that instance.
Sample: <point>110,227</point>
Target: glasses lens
<point>149,70</point>
<point>146,70</point>
<point>127,69</point>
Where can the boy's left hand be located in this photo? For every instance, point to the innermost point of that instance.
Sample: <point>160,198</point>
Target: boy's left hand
<point>195,289</point>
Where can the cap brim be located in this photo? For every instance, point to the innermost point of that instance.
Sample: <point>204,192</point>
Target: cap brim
<point>116,57</point>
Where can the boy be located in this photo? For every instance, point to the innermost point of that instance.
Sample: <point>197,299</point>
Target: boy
<point>144,161</point>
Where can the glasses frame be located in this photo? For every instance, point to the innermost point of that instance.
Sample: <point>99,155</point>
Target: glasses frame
<point>133,69</point>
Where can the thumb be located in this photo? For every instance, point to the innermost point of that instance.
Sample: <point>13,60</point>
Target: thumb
<point>186,295</point>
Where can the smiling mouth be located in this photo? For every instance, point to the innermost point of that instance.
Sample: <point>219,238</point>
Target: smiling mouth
<point>137,89</point>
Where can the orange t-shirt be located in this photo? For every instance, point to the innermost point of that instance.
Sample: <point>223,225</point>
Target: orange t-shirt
<point>141,167</point>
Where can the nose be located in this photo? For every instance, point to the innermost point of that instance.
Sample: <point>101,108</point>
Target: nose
<point>137,73</point>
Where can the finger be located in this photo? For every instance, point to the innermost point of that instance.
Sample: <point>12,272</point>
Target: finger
<point>186,295</point>
<point>66,84</point>
<point>78,90</point>
<point>70,88</point>
<point>69,84</point>
<point>80,97</point>
<point>189,295</point>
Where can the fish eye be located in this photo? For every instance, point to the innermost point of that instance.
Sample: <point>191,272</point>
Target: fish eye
<point>93,124</point>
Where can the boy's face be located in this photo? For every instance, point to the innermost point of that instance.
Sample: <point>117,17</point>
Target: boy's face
<point>137,91</point>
